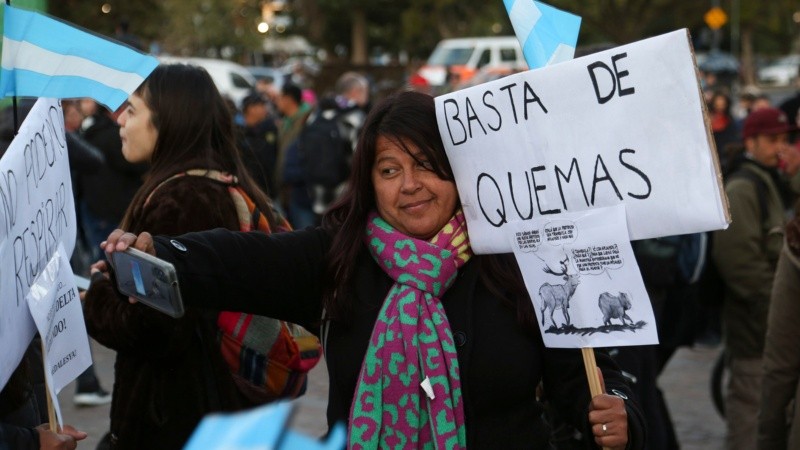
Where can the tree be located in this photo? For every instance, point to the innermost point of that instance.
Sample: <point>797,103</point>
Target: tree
<point>360,25</point>
<point>766,28</point>
<point>625,21</point>
<point>212,28</point>
<point>186,27</point>
<point>145,16</point>
<point>426,22</point>
<point>351,25</point>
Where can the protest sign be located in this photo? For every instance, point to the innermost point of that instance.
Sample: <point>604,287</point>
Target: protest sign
<point>56,309</point>
<point>622,126</point>
<point>583,279</point>
<point>37,213</point>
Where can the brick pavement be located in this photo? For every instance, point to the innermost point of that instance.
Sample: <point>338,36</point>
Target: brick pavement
<point>685,383</point>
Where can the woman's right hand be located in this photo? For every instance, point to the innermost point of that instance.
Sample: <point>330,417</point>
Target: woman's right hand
<point>65,439</point>
<point>120,240</point>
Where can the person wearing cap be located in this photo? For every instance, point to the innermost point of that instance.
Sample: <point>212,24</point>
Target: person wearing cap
<point>259,142</point>
<point>781,385</point>
<point>746,255</point>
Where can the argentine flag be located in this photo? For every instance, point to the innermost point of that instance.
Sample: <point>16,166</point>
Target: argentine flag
<point>44,57</point>
<point>265,427</point>
<point>547,35</point>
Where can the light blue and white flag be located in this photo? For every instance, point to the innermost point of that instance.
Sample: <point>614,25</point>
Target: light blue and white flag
<point>265,427</point>
<point>44,57</point>
<point>547,35</point>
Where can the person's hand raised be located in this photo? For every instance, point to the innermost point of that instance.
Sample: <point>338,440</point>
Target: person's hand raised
<point>120,240</point>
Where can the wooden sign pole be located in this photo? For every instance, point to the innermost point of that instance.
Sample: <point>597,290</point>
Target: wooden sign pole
<point>590,365</point>
<point>55,427</point>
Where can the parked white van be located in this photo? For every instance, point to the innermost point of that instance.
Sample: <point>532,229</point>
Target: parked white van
<point>232,80</point>
<point>465,56</point>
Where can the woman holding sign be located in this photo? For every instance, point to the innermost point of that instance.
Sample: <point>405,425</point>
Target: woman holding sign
<point>426,343</point>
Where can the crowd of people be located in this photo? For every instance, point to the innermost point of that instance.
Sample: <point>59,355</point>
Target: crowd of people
<point>367,185</point>
<point>756,258</point>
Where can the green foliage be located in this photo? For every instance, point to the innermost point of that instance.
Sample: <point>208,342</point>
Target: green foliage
<point>427,22</point>
<point>144,16</point>
<point>183,27</point>
<point>411,25</point>
<point>769,22</point>
<point>624,21</point>
<point>195,26</point>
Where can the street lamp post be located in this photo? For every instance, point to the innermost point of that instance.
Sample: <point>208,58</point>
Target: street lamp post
<point>735,19</point>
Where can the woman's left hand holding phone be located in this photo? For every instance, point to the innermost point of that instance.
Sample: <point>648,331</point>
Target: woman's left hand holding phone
<point>119,241</point>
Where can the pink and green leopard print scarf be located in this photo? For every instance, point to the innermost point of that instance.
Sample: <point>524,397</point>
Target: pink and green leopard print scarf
<point>409,393</point>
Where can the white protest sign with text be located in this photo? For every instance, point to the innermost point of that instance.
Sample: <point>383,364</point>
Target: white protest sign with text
<point>56,308</point>
<point>583,279</point>
<point>625,126</point>
<point>37,213</point>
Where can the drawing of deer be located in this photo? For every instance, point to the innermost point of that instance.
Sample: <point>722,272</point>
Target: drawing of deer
<point>556,296</point>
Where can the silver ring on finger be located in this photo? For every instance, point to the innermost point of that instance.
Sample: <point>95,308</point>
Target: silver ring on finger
<point>605,429</point>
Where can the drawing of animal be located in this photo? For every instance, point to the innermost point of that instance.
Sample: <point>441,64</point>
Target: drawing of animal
<point>614,307</point>
<point>556,296</point>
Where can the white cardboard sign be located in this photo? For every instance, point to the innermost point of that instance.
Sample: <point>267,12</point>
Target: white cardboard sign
<point>37,213</point>
<point>56,309</point>
<point>583,279</point>
<point>625,125</point>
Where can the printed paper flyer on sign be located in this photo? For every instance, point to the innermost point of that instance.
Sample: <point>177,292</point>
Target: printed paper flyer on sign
<point>583,279</point>
<point>56,308</point>
<point>626,125</point>
<point>37,213</point>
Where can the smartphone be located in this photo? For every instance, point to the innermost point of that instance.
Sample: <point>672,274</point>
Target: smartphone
<point>150,280</point>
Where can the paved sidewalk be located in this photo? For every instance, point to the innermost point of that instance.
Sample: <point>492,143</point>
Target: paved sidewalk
<point>685,383</point>
<point>687,389</point>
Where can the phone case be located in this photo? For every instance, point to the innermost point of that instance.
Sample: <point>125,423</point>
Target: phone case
<point>150,280</point>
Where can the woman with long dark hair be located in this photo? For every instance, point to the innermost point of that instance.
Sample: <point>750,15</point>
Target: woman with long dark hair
<point>427,345</point>
<point>169,372</point>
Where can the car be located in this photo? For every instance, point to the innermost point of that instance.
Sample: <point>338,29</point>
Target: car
<point>232,80</point>
<point>780,73</point>
<point>487,74</point>
<point>717,62</point>
<point>278,76</point>
<point>465,56</point>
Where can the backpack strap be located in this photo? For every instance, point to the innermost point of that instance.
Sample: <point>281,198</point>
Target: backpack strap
<point>222,177</point>
<point>761,190</point>
<point>249,214</point>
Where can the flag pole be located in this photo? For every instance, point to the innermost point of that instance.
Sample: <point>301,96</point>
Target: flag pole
<point>14,100</point>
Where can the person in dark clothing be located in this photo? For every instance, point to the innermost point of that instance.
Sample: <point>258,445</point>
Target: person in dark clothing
<point>259,142</point>
<point>107,192</point>
<point>417,330</point>
<point>23,409</point>
<point>724,127</point>
<point>791,107</point>
<point>123,34</point>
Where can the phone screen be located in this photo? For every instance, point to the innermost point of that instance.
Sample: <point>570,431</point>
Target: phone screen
<point>150,280</point>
